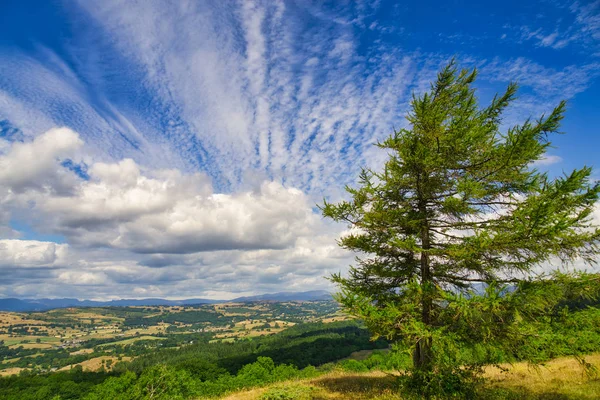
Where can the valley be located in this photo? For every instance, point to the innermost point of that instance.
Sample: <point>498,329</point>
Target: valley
<point>99,337</point>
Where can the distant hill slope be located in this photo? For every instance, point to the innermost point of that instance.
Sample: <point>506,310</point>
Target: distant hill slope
<point>13,304</point>
<point>311,295</point>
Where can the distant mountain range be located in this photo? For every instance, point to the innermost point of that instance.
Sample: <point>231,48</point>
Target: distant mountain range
<point>311,295</point>
<point>12,304</point>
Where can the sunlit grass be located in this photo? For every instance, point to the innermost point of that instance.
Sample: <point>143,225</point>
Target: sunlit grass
<point>560,379</point>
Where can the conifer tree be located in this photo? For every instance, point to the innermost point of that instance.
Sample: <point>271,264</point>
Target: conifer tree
<point>459,203</point>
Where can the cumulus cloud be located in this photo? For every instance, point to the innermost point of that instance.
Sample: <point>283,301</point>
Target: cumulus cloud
<point>16,253</point>
<point>131,228</point>
<point>81,278</point>
<point>33,165</point>
<point>152,211</point>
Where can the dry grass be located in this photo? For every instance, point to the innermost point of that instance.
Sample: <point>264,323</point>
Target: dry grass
<point>9,318</point>
<point>250,328</point>
<point>10,371</point>
<point>88,316</point>
<point>34,345</point>
<point>560,379</point>
<point>94,364</point>
<point>82,351</point>
<point>335,385</point>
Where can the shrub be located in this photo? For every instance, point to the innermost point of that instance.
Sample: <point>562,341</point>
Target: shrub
<point>353,366</point>
<point>294,392</point>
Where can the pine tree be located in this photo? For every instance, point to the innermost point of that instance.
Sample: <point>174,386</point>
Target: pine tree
<point>458,203</point>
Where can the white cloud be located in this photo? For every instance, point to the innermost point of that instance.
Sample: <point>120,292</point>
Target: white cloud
<point>238,86</point>
<point>81,278</point>
<point>257,100</point>
<point>16,253</point>
<point>33,165</point>
<point>541,88</point>
<point>588,16</point>
<point>161,211</point>
<point>581,28</point>
<point>547,160</point>
<point>132,227</point>
<point>211,129</point>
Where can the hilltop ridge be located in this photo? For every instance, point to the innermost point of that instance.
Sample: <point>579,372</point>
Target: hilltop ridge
<point>15,304</point>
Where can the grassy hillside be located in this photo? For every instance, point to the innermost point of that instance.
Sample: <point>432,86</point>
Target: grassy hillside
<point>559,379</point>
<point>316,360</point>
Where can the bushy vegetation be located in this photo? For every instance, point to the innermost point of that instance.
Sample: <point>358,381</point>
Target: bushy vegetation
<point>291,392</point>
<point>168,382</point>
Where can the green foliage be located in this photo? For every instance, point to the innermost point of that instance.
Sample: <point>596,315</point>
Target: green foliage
<point>166,382</point>
<point>301,345</point>
<point>353,366</point>
<point>200,368</point>
<point>66,385</point>
<point>162,382</point>
<point>290,392</point>
<point>458,204</point>
<point>118,388</point>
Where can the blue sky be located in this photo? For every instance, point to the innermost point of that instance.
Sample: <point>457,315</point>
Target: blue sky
<point>155,148</point>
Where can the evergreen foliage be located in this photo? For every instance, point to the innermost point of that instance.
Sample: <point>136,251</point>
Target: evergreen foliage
<point>459,206</point>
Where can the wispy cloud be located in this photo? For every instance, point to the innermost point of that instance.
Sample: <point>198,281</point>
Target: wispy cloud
<point>580,27</point>
<point>280,90</point>
<point>547,160</point>
<point>208,130</point>
<point>268,93</point>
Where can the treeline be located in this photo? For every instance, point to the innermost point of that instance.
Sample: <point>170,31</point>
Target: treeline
<point>168,382</point>
<point>301,345</point>
<point>7,352</point>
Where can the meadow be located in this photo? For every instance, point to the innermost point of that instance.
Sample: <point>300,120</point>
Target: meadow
<point>560,379</point>
<point>63,338</point>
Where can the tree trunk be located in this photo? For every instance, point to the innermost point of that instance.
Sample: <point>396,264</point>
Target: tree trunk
<point>422,356</point>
